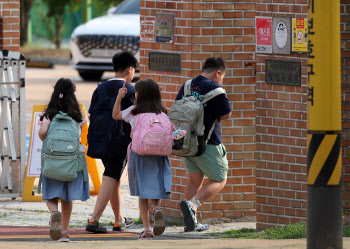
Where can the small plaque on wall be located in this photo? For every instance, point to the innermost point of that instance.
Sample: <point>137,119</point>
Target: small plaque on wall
<point>169,62</point>
<point>283,72</point>
<point>165,27</point>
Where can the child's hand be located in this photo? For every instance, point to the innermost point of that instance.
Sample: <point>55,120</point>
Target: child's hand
<point>122,92</point>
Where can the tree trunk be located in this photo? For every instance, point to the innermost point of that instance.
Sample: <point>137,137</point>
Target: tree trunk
<point>25,6</point>
<point>58,26</point>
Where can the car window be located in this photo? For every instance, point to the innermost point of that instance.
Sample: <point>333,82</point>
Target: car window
<point>129,7</point>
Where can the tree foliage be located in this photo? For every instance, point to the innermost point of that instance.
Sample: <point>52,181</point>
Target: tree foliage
<point>56,10</point>
<point>103,5</point>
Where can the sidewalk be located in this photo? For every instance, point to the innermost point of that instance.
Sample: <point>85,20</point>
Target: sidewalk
<point>35,214</point>
<point>18,213</point>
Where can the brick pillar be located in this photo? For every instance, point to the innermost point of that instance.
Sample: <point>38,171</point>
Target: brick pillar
<point>281,133</point>
<point>203,29</point>
<point>9,24</point>
<point>345,81</point>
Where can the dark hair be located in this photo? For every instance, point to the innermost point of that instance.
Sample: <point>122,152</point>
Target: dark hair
<point>212,64</point>
<point>149,98</point>
<point>123,60</point>
<point>68,103</point>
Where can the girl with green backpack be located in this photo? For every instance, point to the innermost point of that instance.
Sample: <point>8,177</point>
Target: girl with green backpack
<point>61,115</point>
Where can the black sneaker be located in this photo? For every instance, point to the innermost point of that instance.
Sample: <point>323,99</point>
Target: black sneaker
<point>95,227</point>
<point>118,226</point>
<point>189,215</point>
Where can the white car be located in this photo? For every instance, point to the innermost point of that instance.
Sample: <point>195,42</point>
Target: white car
<point>93,44</point>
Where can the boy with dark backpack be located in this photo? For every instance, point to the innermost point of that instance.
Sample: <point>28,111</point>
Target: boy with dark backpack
<point>108,140</point>
<point>209,155</point>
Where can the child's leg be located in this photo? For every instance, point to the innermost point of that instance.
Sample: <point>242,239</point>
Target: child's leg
<point>144,211</point>
<point>66,213</point>
<point>156,204</point>
<point>55,219</point>
<point>52,204</point>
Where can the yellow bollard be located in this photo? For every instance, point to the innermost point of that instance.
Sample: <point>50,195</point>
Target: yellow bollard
<point>324,159</point>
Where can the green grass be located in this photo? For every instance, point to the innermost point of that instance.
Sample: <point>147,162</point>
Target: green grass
<point>293,231</point>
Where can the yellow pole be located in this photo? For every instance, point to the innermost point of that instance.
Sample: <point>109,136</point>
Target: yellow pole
<point>324,165</point>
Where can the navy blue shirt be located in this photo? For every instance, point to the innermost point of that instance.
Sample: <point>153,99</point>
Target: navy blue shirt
<point>214,108</point>
<point>113,86</point>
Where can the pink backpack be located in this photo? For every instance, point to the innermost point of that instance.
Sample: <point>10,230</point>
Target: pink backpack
<point>152,134</point>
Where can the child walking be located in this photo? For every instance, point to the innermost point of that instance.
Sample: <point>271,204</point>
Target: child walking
<point>149,175</point>
<point>63,101</point>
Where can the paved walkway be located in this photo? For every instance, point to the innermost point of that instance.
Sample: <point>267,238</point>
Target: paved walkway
<point>25,225</point>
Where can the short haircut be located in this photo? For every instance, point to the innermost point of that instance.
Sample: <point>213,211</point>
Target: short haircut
<point>212,64</point>
<point>123,60</point>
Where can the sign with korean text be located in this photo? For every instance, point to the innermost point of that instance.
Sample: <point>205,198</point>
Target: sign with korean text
<point>168,62</point>
<point>165,27</point>
<point>263,34</point>
<point>34,157</point>
<point>299,40</point>
<point>283,72</point>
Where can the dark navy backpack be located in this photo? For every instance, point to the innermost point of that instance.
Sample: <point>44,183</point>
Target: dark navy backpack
<point>107,137</point>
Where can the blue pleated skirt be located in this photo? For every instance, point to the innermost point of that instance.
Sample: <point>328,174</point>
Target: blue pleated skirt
<point>149,176</point>
<point>68,191</point>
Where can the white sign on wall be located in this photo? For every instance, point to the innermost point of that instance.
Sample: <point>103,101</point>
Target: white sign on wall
<point>34,157</point>
<point>281,39</point>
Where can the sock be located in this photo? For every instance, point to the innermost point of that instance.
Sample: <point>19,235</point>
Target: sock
<point>194,202</point>
<point>95,219</point>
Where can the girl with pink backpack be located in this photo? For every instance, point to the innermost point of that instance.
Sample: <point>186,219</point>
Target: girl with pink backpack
<point>149,169</point>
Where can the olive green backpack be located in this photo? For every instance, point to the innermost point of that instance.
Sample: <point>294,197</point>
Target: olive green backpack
<point>62,156</point>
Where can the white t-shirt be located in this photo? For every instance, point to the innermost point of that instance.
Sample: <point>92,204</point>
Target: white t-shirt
<point>128,117</point>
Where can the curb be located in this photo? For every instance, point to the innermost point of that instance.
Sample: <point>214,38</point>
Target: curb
<point>45,62</point>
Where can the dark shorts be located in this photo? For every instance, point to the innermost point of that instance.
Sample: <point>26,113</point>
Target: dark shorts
<point>114,167</point>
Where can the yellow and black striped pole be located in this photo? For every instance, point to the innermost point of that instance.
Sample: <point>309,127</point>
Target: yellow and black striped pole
<point>324,164</point>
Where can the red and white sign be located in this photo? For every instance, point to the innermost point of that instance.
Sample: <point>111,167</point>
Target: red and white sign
<point>263,34</point>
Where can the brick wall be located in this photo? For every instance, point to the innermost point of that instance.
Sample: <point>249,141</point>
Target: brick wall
<point>345,81</point>
<point>204,29</point>
<point>266,136</point>
<point>9,24</point>
<point>281,133</point>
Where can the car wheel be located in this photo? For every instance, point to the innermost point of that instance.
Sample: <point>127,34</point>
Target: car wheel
<point>91,75</point>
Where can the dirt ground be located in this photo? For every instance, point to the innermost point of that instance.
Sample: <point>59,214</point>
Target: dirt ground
<point>44,52</point>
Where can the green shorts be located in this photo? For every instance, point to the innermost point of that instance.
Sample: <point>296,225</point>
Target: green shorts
<point>212,163</point>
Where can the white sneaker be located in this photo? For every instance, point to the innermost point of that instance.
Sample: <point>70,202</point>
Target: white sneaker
<point>64,238</point>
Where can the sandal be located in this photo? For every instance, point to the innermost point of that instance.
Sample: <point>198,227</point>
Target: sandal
<point>95,227</point>
<point>189,215</point>
<point>146,235</point>
<point>55,225</point>
<point>158,222</point>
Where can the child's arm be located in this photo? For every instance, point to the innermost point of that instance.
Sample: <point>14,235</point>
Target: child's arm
<point>43,130</point>
<point>117,113</point>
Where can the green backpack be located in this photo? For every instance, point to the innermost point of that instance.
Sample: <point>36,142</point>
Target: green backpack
<point>61,154</point>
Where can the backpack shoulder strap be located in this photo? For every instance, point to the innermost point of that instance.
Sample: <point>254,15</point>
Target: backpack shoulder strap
<point>187,88</point>
<point>40,180</point>
<point>212,94</point>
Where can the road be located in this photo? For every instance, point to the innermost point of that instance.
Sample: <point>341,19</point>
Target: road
<point>40,82</point>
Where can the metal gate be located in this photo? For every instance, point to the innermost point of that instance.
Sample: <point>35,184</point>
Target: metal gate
<point>12,124</point>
